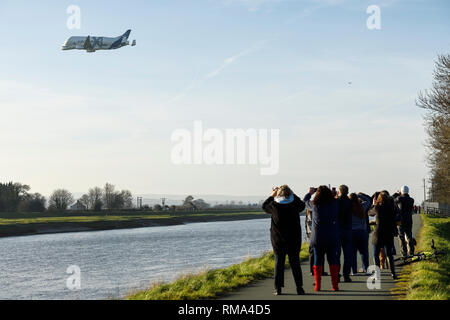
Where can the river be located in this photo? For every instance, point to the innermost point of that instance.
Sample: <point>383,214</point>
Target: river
<point>114,263</point>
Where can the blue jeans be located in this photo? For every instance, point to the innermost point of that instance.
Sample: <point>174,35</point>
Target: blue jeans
<point>360,242</point>
<point>346,246</point>
<point>332,255</point>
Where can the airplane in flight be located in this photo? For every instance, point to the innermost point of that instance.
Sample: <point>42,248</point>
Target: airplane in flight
<point>91,44</point>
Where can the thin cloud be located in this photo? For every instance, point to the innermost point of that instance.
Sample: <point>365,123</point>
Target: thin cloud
<point>185,91</point>
<point>229,61</point>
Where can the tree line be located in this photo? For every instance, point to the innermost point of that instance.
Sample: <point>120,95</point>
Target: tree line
<point>436,102</point>
<point>192,204</point>
<point>15,197</point>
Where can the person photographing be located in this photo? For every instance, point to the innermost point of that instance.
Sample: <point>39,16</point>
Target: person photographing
<point>285,234</point>
<point>324,233</point>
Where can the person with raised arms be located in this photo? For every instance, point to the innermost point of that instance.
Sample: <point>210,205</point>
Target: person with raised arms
<point>286,234</point>
<point>324,233</point>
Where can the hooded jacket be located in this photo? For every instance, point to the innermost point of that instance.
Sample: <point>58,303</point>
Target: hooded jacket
<point>285,229</point>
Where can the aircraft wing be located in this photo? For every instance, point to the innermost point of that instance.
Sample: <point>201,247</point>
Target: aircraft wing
<point>88,45</point>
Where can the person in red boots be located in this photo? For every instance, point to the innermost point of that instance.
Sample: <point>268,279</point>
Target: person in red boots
<point>324,233</point>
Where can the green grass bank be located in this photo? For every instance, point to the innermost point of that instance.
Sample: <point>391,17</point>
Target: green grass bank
<point>211,284</point>
<point>428,280</point>
<point>18,224</point>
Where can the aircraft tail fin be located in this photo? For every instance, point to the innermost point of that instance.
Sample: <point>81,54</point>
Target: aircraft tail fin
<point>126,34</point>
<point>87,44</point>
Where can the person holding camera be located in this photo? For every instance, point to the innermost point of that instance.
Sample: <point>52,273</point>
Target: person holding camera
<point>308,227</point>
<point>385,228</point>
<point>324,233</point>
<point>345,229</point>
<point>286,234</point>
<point>360,229</point>
<point>405,205</point>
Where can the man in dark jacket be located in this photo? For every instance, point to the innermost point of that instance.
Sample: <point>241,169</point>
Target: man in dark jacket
<point>405,205</point>
<point>345,229</point>
<point>286,234</point>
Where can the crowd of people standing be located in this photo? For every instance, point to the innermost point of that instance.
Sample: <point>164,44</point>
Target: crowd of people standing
<point>337,223</point>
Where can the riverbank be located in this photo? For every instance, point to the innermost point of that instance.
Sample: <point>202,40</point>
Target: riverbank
<point>21,226</point>
<point>428,280</point>
<point>211,284</point>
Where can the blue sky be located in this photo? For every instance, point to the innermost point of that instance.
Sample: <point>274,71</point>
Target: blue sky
<point>73,119</point>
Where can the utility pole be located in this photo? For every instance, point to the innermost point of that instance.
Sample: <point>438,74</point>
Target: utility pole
<point>424,193</point>
<point>139,202</point>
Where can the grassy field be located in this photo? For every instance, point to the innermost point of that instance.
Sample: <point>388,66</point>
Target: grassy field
<point>212,283</point>
<point>114,216</point>
<point>23,216</point>
<point>19,224</point>
<point>428,280</point>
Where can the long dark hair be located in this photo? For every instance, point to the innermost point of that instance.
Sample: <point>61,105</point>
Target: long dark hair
<point>323,196</point>
<point>382,199</point>
<point>357,208</point>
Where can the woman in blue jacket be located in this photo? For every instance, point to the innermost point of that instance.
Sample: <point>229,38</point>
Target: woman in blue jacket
<point>360,230</point>
<point>324,233</point>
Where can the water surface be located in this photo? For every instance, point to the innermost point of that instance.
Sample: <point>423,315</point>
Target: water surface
<point>115,262</point>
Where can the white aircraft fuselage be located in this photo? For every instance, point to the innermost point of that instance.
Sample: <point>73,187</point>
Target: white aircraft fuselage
<point>92,44</point>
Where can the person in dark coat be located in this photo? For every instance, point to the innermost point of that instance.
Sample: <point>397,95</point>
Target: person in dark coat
<point>308,225</point>
<point>405,205</point>
<point>345,230</point>
<point>360,234</point>
<point>286,234</point>
<point>324,233</point>
<point>385,228</point>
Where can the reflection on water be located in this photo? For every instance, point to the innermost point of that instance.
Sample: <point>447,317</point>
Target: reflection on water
<point>115,262</point>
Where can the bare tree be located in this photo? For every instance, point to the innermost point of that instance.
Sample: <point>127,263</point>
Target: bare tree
<point>84,200</point>
<point>95,198</point>
<point>60,200</point>
<point>436,102</point>
<point>109,196</point>
<point>127,199</point>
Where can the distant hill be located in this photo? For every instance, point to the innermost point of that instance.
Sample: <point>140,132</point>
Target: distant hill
<point>171,199</point>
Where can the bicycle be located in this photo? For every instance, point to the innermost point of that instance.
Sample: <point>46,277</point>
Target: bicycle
<point>420,256</point>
